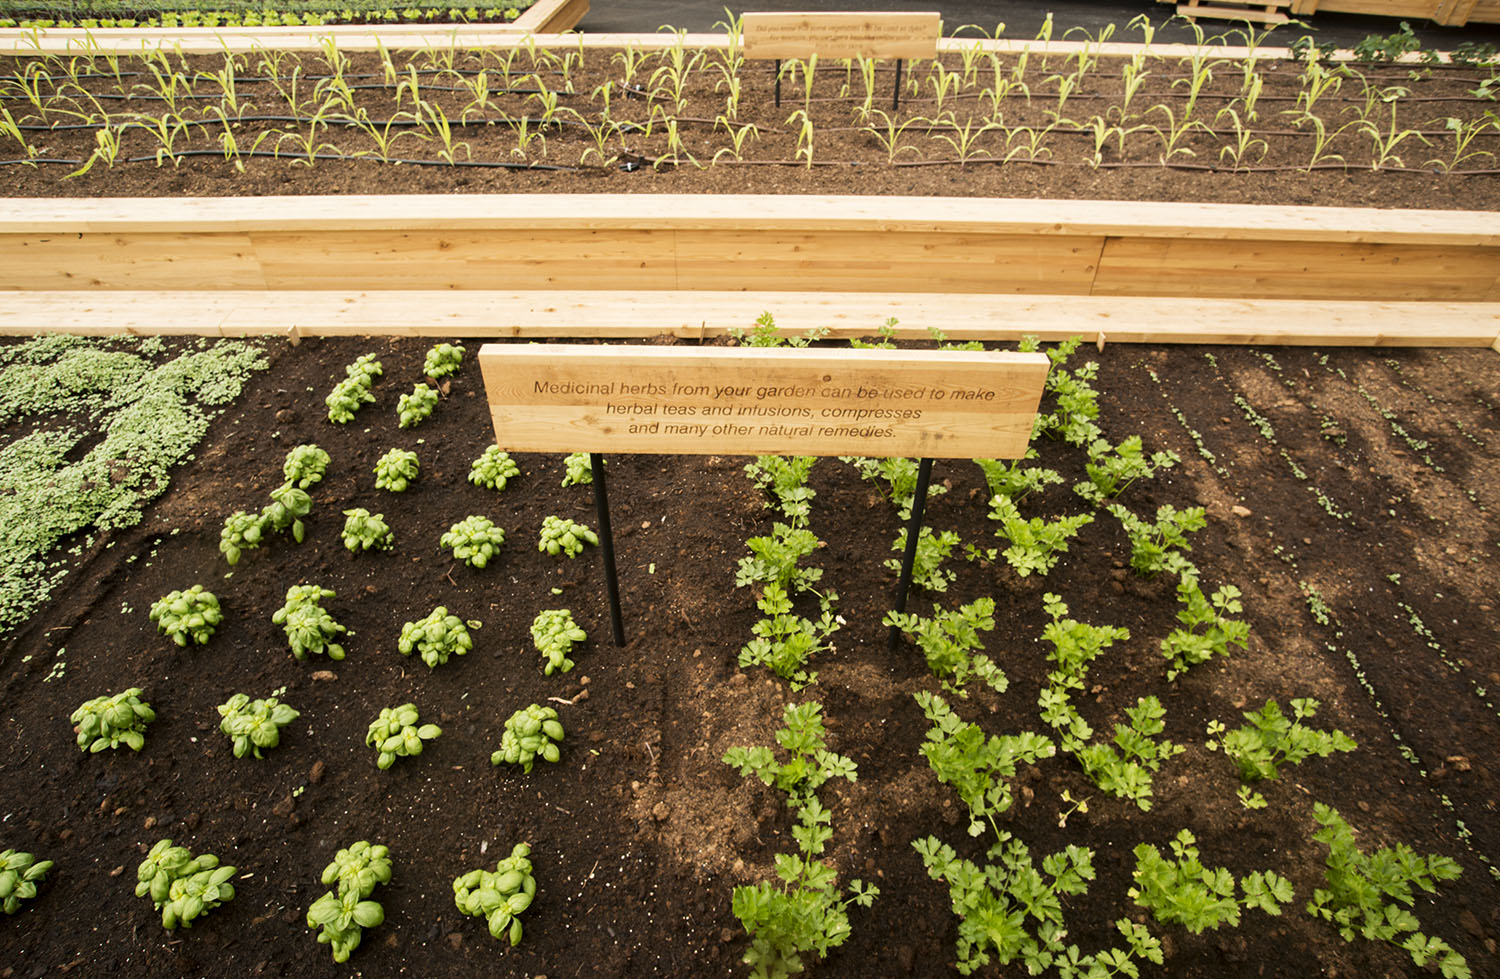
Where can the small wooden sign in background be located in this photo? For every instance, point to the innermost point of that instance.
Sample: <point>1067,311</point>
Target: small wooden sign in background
<point>762,401</point>
<point>841,35</point>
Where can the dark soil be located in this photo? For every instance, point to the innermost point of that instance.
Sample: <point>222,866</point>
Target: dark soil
<point>1372,495</point>
<point>641,833</point>
<point>1388,142</point>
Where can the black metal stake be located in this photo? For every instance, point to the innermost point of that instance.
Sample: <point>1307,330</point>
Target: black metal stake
<point>896,95</point>
<point>913,531</point>
<point>607,544</point>
<point>777,69</point>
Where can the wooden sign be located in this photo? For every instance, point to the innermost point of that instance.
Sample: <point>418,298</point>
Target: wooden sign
<point>762,401</point>
<point>842,35</point>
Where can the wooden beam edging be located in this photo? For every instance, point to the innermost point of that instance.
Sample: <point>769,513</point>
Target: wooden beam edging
<point>705,243</point>
<point>740,212</point>
<point>706,315</point>
<point>363,37</point>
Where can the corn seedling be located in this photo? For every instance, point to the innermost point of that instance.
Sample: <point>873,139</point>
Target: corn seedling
<point>737,138</point>
<point>964,139</point>
<point>804,135</point>
<point>1173,133</point>
<point>1244,142</point>
<point>1384,140</point>
<point>1464,134</point>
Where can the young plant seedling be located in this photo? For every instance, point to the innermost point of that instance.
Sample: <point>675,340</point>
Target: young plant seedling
<point>1113,468</point>
<point>577,469</point>
<point>1272,739</point>
<point>187,615</point>
<point>1035,544</point>
<point>442,360</point>
<point>1126,772</point>
<point>287,508</point>
<point>927,566</point>
<point>347,397</point>
<point>254,724</point>
<point>474,540</point>
<point>364,530</point>
<point>396,734</point>
<point>435,638</point>
<point>183,887</point>
<point>1208,631</point>
<point>350,394</point>
<point>1014,480</point>
<point>530,733</point>
<point>554,634</point>
<point>19,875</point>
<point>1183,892</point>
<point>493,469</point>
<point>108,722</point>
<point>242,532</point>
<point>1158,546</point>
<point>785,641</point>
<point>807,911</point>
<point>785,478</point>
<point>499,896</point>
<point>1369,894</point>
<point>414,408</point>
<point>305,466</point>
<point>977,767</point>
<point>561,536</point>
<point>309,627</point>
<point>395,470</point>
<point>342,915</point>
<point>951,643</point>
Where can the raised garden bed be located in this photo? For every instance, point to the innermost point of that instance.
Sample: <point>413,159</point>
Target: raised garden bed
<point>1345,494</point>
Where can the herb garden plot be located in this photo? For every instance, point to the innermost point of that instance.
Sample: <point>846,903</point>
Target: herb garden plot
<point>640,833</point>
<point>232,121</point>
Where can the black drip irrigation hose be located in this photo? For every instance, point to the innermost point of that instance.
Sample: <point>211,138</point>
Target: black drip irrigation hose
<point>295,158</point>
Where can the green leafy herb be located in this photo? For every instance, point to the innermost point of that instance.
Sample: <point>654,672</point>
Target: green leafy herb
<point>436,638</point>
<point>285,511</point>
<point>183,887</point>
<point>927,565</point>
<point>305,465</point>
<point>577,469</point>
<point>1369,894</point>
<point>363,530</point>
<point>396,733</point>
<point>342,915</point>
<point>500,895</point>
<point>1183,892</point>
<point>1124,768</point>
<point>412,409</point>
<point>1113,468</point>
<point>1015,480</point>
<point>395,470</point>
<point>19,875</point>
<point>977,767</point>
<point>108,722</point>
<point>554,634</point>
<point>474,540</point>
<point>442,360</point>
<point>1036,545</point>
<point>560,536</point>
<point>951,643</point>
<point>785,478</point>
<point>187,615</point>
<point>1272,739</point>
<point>254,724</point>
<point>1157,546</point>
<point>493,469</point>
<point>309,627</point>
<point>242,532</point>
<point>1207,629</point>
<point>785,641</point>
<point>530,733</point>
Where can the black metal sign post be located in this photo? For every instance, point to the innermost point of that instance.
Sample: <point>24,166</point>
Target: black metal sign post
<point>913,531</point>
<point>778,83</point>
<point>896,95</point>
<point>607,545</point>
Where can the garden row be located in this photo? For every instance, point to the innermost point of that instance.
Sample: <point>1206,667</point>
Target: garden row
<point>529,106</point>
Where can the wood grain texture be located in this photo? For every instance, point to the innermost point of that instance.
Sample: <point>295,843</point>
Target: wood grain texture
<point>1293,270</point>
<point>868,34</point>
<point>705,315</point>
<point>755,401</point>
<point>551,16</point>
<point>1209,222</point>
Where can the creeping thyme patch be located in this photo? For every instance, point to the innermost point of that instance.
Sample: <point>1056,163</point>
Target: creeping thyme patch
<point>153,415</point>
